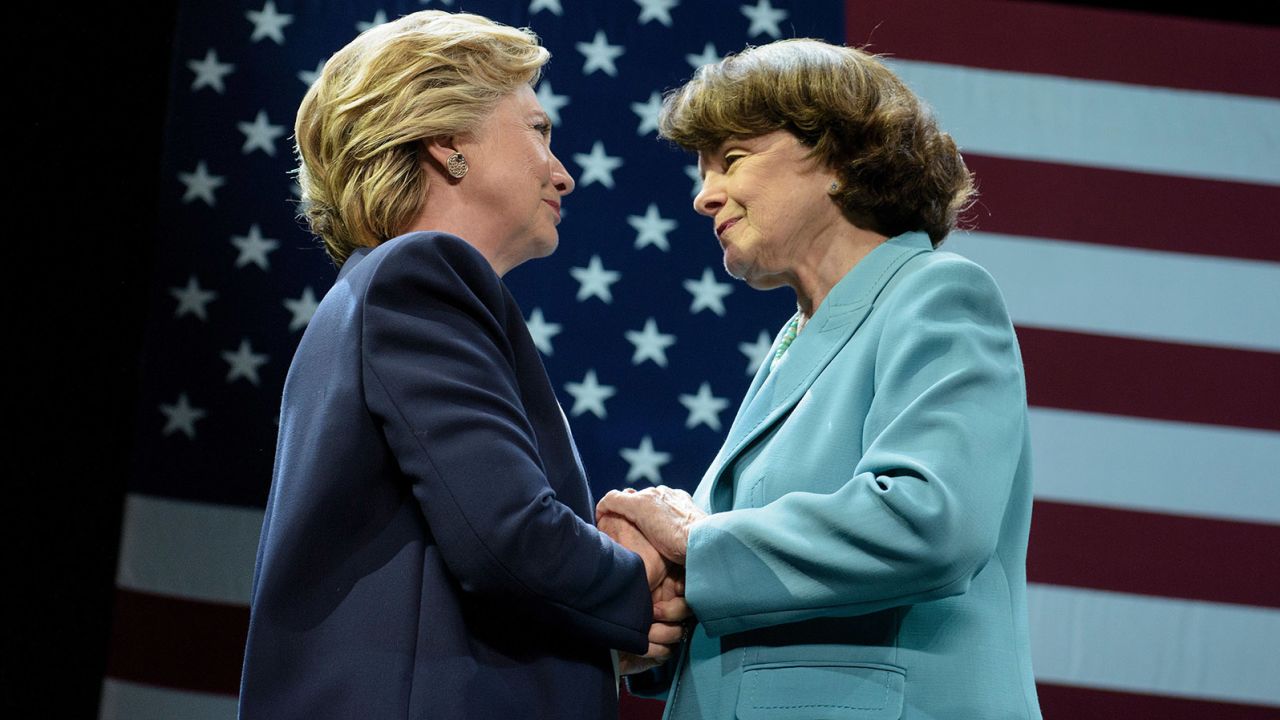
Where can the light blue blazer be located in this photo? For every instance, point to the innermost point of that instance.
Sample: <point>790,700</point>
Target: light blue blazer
<point>866,553</point>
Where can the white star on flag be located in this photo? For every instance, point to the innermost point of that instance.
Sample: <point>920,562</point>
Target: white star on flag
<point>659,10</point>
<point>589,395</point>
<point>599,55</point>
<point>550,101</point>
<point>181,416</point>
<point>192,299</point>
<point>764,19</point>
<point>379,18</point>
<point>594,280</point>
<point>757,352</point>
<point>650,344</point>
<point>446,3</point>
<point>645,462</point>
<point>268,23</point>
<point>254,248</point>
<point>542,331</point>
<point>200,184</point>
<point>309,77</point>
<point>552,5</point>
<point>696,176</point>
<point>651,228</point>
<point>302,309</point>
<point>260,134</point>
<point>709,55</point>
<point>703,407</point>
<point>597,166</point>
<point>648,113</point>
<point>708,293</point>
<point>209,72</point>
<point>244,363</point>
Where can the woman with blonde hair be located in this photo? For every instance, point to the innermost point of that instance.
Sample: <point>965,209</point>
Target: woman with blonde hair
<point>857,549</point>
<point>429,548</point>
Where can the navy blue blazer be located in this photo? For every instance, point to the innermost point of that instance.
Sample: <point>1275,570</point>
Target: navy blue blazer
<point>429,548</point>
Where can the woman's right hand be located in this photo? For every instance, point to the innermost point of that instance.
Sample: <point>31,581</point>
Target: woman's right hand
<point>662,513</point>
<point>625,533</point>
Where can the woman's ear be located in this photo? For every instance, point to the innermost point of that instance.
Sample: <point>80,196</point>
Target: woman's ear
<point>439,150</point>
<point>445,155</point>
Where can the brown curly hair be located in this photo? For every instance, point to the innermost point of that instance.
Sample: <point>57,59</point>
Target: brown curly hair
<point>898,172</point>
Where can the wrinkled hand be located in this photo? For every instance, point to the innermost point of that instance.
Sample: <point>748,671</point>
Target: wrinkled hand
<point>669,605</point>
<point>668,629</point>
<point>664,639</point>
<point>666,586</point>
<point>664,515</point>
<point>626,534</point>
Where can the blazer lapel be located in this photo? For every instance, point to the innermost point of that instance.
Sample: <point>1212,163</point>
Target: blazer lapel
<point>702,495</point>
<point>839,316</point>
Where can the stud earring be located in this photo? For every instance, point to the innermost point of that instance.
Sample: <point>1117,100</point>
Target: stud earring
<point>835,188</point>
<point>457,165</point>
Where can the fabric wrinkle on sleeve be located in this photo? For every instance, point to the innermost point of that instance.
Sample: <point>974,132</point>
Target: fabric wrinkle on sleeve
<point>921,512</point>
<point>442,386</point>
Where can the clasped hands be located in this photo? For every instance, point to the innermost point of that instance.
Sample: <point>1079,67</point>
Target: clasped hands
<point>654,523</point>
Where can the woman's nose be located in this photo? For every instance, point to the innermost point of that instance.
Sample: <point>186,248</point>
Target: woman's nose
<point>710,197</point>
<point>560,177</point>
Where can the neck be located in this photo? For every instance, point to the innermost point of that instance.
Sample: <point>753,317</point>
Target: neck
<point>446,209</point>
<point>831,259</point>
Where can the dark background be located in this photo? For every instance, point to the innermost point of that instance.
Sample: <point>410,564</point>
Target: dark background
<point>89,113</point>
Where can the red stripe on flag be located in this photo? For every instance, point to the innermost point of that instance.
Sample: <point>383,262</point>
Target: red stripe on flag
<point>178,643</point>
<point>1153,554</point>
<point>1131,209</point>
<point>1145,378</point>
<point>631,707</point>
<point>1088,43</point>
<point>1064,701</point>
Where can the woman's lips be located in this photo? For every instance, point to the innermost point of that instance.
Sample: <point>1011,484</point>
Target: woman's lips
<point>554,206</point>
<point>722,227</point>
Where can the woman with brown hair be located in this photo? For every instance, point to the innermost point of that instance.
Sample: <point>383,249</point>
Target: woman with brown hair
<point>857,548</point>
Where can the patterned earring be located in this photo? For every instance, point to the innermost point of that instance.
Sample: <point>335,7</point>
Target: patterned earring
<point>457,165</point>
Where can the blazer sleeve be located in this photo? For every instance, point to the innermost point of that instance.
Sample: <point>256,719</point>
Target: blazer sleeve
<point>920,514</point>
<point>439,378</point>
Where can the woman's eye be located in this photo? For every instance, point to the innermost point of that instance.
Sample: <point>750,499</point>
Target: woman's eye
<point>543,128</point>
<point>729,160</point>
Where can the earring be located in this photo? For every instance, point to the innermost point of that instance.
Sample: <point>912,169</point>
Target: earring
<point>457,165</point>
<point>835,188</point>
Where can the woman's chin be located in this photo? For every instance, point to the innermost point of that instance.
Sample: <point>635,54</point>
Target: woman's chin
<point>546,246</point>
<point>755,279</point>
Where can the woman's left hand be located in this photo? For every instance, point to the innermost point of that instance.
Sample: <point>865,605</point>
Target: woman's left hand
<point>663,514</point>
<point>664,640</point>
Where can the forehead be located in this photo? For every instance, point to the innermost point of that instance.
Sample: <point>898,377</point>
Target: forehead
<point>525,102</point>
<point>777,141</point>
<point>518,104</point>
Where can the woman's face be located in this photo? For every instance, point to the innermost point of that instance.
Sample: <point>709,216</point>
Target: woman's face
<point>770,206</point>
<point>516,178</point>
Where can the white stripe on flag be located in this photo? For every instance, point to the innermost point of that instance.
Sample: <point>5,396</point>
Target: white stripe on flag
<point>1174,297</point>
<point>189,549</point>
<point>1106,124</point>
<point>123,700</point>
<point>1156,465</point>
<point>1154,645</point>
<point>205,552</point>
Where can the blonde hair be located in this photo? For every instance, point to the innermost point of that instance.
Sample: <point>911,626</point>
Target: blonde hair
<point>898,172</point>
<point>361,125</point>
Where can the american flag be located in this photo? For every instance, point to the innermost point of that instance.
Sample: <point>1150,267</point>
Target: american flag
<point>1129,169</point>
